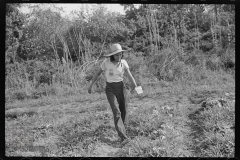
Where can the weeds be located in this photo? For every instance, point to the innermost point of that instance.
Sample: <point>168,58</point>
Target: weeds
<point>212,125</point>
<point>168,120</point>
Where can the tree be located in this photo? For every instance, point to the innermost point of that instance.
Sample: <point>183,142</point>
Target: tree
<point>40,33</point>
<point>14,23</point>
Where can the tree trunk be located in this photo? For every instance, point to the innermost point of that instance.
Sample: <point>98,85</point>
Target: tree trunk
<point>215,10</point>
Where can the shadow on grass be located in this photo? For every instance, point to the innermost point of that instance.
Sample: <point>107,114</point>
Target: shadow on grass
<point>15,115</point>
<point>110,141</point>
<point>197,132</point>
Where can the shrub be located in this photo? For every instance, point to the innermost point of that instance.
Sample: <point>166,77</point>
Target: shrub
<point>228,60</point>
<point>20,94</point>
<point>15,76</point>
<point>172,65</point>
<point>192,60</point>
<point>137,67</point>
<point>43,72</point>
<point>213,64</point>
<point>135,60</point>
<point>160,63</point>
<point>221,59</point>
<point>206,46</point>
<point>44,90</point>
<point>179,70</point>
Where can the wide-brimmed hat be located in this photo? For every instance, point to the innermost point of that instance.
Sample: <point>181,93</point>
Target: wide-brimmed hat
<point>114,49</point>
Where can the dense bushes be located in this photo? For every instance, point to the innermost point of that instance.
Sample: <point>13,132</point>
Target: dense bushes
<point>166,45</point>
<point>35,78</point>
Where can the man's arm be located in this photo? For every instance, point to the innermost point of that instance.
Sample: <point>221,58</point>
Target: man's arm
<point>94,79</point>
<point>131,77</point>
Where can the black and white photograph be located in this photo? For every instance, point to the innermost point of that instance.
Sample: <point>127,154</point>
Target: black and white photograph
<point>119,80</point>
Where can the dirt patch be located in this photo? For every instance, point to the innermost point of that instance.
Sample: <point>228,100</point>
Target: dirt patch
<point>104,150</point>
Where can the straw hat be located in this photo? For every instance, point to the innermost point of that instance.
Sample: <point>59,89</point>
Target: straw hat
<point>114,49</point>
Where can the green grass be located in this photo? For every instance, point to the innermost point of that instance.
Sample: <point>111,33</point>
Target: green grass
<point>165,121</point>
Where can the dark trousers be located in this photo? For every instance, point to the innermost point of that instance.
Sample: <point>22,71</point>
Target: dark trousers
<point>116,91</point>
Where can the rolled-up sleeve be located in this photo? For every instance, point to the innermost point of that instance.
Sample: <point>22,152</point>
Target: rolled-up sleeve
<point>125,64</point>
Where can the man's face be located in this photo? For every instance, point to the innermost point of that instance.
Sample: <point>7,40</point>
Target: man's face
<point>118,56</point>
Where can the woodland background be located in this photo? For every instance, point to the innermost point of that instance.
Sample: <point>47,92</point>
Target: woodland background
<point>48,54</point>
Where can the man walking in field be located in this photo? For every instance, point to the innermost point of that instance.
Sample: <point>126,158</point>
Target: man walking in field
<point>114,68</point>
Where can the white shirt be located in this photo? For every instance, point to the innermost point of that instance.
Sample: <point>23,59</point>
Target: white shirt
<point>114,73</point>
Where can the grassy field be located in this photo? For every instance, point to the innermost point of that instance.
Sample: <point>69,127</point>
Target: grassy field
<point>170,119</point>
